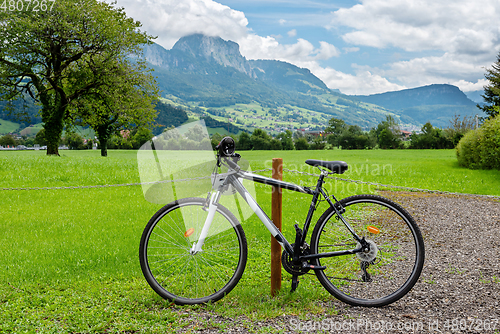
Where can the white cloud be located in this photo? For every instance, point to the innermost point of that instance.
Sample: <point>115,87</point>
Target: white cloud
<point>363,83</point>
<point>300,53</point>
<point>467,86</point>
<point>463,35</point>
<point>173,19</point>
<point>327,51</point>
<point>351,49</point>
<point>415,25</point>
<point>457,70</point>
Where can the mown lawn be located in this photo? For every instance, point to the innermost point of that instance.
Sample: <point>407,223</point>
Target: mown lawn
<point>69,257</point>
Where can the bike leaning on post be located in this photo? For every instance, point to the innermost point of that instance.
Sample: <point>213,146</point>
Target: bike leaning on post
<point>365,250</point>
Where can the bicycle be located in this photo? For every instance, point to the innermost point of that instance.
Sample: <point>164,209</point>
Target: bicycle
<point>365,250</point>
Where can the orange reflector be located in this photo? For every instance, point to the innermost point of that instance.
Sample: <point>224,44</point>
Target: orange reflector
<point>373,229</point>
<point>189,232</point>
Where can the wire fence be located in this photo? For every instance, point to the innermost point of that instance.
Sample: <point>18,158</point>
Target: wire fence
<point>379,185</point>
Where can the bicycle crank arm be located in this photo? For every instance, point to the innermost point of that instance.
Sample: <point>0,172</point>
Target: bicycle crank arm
<point>310,266</point>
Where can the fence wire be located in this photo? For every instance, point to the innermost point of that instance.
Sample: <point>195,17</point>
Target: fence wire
<point>380,185</point>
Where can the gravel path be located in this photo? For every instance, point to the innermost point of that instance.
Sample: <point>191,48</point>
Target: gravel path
<point>459,289</point>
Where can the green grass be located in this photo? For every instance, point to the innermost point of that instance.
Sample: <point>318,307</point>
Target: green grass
<point>426,169</point>
<point>69,258</point>
<point>7,126</point>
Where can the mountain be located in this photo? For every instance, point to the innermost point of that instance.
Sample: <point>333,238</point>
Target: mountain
<point>421,96</point>
<point>208,75</point>
<point>199,53</point>
<point>434,103</point>
<point>476,96</point>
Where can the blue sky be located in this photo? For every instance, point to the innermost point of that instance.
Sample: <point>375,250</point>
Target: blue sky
<point>358,47</point>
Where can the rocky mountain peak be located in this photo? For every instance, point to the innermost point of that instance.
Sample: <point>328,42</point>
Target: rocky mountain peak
<point>207,48</point>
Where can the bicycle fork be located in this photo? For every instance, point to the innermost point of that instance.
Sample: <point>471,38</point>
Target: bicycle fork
<point>212,207</point>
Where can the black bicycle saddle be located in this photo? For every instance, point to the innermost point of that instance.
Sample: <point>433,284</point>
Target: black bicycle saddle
<point>337,167</point>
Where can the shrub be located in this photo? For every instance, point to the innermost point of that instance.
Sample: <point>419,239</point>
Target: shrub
<point>317,144</point>
<point>490,147</point>
<point>468,152</point>
<point>7,140</point>
<point>75,141</point>
<point>481,148</point>
<point>301,144</point>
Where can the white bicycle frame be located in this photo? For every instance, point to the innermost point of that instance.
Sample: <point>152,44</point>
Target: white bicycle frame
<point>232,178</point>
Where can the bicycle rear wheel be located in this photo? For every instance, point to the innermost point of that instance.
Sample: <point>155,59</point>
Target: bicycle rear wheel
<point>171,268</point>
<point>388,270</point>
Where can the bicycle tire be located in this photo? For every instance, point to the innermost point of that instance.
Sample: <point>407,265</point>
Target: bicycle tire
<point>393,266</point>
<point>176,274</point>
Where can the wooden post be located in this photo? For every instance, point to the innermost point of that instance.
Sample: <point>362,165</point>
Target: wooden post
<point>276,218</point>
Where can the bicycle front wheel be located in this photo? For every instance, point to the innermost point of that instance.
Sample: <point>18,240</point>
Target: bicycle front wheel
<point>181,275</point>
<point>384,273</point>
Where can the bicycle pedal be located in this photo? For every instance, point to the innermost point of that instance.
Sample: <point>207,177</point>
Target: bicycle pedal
<point>310,266</point>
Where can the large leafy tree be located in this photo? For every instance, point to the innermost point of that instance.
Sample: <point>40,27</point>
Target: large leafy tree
<point>492,90</point>
<point>124,99</point>
<point>44,54</point>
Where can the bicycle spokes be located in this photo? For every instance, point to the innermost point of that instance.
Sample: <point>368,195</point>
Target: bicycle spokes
<point>390,259</point>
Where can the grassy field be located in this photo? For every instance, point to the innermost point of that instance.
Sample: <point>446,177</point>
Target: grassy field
<point>69,257</point>
<point>7,126</point>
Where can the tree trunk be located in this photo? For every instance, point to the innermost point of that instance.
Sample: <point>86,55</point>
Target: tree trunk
<point>53,111</point>
<point>103,133</point>
<point>104,147</point>
<point>53,130</point>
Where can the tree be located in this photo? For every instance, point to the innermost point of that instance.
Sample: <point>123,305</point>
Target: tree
<point>215,140</point>
<point>123,100</point>
<point>195,133</point>
<point>40,138</point>
<point>480,148</point>
<point>7,140</point>
<point>286,140</point>
<point>431,138</point>
<point>492,90</point>
<point>75,141</point>
<point>317,144</point>
<point>141,137</point>
<point>244,141</point>
<point>335,129</point>
<point>388,133</point>
<point>355,138</point>
<point>260,140</point>
<point>169,115</point>
<point>459,127</point>
<point>301,144</point>
<point>275,144</point>
<point>46,54</point>
<point>386,139</point>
